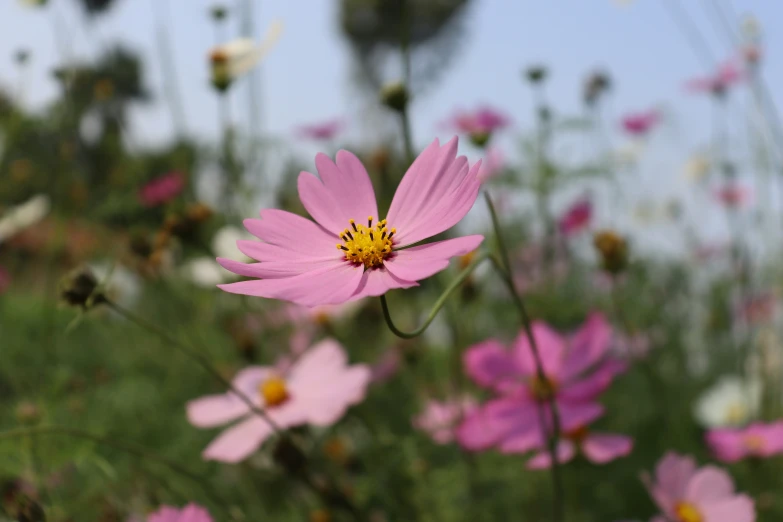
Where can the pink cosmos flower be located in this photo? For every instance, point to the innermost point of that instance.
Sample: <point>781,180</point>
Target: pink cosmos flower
<point>189,513</point>
<point>5,280</point>
<point>317,389</point>
<point>576,217</point>
<point>733,195</point>
<point>162,190</point>
<point>577,370</point>
<point>492,165</point>
<point>440,418</point>
<point>484,120</point>
<point>598,448</point>
<point>640,123</point>
<point>346,254</point>
<point>728,74</point>
<point>757,440</point>
<point>686,494</point>
<point>324,131</point>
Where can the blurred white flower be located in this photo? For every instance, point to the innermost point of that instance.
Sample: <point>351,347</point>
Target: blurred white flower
<point>205,272</point>
<point>18,218</point>
<point>120,284</point>
<point>697,167</point>
<point>732,401</point>
<point>628,154</point>
<point>224,243</point>
<point>231,60</point>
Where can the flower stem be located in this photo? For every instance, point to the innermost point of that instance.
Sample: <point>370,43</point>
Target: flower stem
<point>127,447</point>
<point>438,304</point>
<point>503,266</point>
<point>196,357</point>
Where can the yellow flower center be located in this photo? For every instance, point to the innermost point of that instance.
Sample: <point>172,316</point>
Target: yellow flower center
<point>753,443</point>
<point>686,512</point>
<point>273,391</point>
<point>542,389</point>
<point>735,414</point>
<point>368,245</point>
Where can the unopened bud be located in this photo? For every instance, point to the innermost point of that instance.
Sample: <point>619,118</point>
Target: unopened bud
<point>536,74</point>
<point>80,288</point>
<point>218,12</point>
<point>395,96</point>
<point>480,139</point>
<point>613,251</point>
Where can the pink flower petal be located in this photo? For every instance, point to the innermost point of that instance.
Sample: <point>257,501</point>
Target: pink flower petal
<point>672,476</point>
<point>436,192</point>
<point>551,349</point>
<point>275,253</point>
<point>329,285</point>
<point>238,442</point>
<point>215,410</point>
<point>490,365</point>
<point>589,344</point>
<point>420,262</point>
<point>603,447</point>
<point>477,432</point>
<point>574,415</point>
<point>343,192</point>
<point>726,444</point>
<point>325,358</point>
<point>292,232</point>
<point>194,513</point>
<point>542,460</point>
<point>275,269</point>
<point>164,514</point>
<point>734,509</point>
<point>594,384</point>
<point>378,281</point>
<point>709,484</point>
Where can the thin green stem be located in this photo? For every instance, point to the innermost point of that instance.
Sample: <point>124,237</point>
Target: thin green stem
<point>196,357</point>
<point>503,266</point>
<point>125,446</point>
<point>438,304</point>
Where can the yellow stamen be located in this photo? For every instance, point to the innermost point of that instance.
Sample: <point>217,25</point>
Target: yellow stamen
<point>367,245</point>
<point>686,512</point>
<point>542,389</point>
<point>754,443</point>
<point>273,391</point>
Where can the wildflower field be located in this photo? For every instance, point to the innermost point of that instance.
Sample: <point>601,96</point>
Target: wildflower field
<point>564,308</point>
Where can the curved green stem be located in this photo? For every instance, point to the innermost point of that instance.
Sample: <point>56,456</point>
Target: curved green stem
<point>438,304</point>
<point>503,266</point>
<point>127,447</point>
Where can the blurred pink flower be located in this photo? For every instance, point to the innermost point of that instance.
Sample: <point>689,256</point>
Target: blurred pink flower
<point>386,366</point>
<point>318,389</point>
<point>757,440</point>
<point>598,448</point>
<point>440,418</point>
<point>640,123</point>
<point>492,165</point>
<point>577,371</point>
<point>322,131</point>
<point>576,217</point>
<point>686,494</point>
<point>728,74</point>
<point>189,513</point>
<point>759,308</point>
<point>632,346</point>
<point>531,268</point>
<point>162,190</point>
<point>301,261</point>
<point>733,195</point>
<point>483,120</point>
<point>5,280</point>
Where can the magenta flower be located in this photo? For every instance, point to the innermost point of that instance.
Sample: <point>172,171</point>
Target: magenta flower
<point>686,494</point>
<point>324,131</point>
<point>728,74</point>
<point>733,195</point>
<point>757,440</point>
<point>478,124</point>
<point>346,254</point>
<point>440,418</point>
<point>317,390</point>
<point>162,190</point>
<point>576,217</point>
<point>189,513</point>
<point>598,448</point>
<point>576,370</point>
<point>640,123</point>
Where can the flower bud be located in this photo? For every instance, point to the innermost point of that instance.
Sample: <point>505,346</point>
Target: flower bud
<point>536,74</point>
<point>613,251</point>
<point>80,288</point>
<point>480,139</point>
<point>395,96</point>
<point>218,12</point>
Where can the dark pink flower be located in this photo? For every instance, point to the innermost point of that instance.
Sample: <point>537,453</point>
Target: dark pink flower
<point>733,195</point>
<point>576,217</point>
<point>598,448</point>
<point>484,120</point>
<point>162,190</point>
<point>727,75</point>
<point>5,280</point>
<point>189,513</point>
<point>757,440</point>
<point>324,131</point>
<point>577,371</point>
<point>440,418</point>
<point>640,123</point>
<point>317,389</point>
<point>686,494</point>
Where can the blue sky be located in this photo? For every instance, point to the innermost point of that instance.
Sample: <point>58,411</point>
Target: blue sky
<point>306,77</point>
